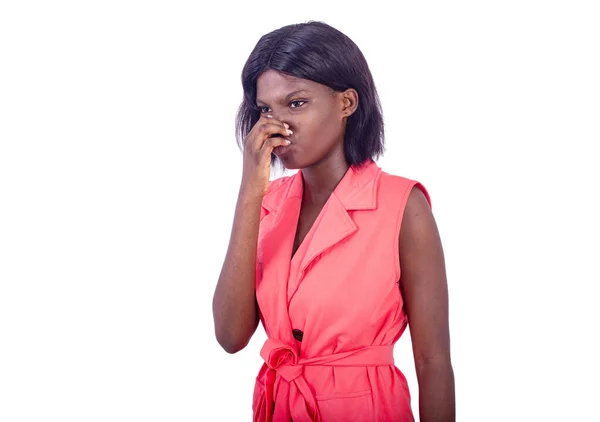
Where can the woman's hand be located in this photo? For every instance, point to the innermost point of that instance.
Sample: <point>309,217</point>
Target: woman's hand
<point>258,146</point>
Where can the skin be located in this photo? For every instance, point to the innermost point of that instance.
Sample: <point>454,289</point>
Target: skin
<point>317,117</point>
<point>425,294</point>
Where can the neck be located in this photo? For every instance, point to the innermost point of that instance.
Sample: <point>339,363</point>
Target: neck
<point>321,179</point>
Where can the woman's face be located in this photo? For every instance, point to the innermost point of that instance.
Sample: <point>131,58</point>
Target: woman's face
<point>314,112</point>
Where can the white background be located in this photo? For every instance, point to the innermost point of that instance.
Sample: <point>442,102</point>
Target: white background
<point>119,173</point>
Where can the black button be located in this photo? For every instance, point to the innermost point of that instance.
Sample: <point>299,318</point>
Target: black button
<point>297,334</point>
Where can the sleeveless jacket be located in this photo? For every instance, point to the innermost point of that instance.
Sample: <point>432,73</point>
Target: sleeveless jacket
<point>333,312</point>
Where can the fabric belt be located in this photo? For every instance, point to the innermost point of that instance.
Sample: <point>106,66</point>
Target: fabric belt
<point>282,360</point>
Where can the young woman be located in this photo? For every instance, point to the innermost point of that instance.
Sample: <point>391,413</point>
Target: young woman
<point>337,259</point>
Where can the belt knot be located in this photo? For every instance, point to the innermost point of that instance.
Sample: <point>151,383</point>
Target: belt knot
<point>283,359</point>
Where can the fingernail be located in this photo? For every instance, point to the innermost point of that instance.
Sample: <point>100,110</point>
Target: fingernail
<point>286,125</point>
<point>268,115</point>
<point>287,141</point>
<point>289,131</point>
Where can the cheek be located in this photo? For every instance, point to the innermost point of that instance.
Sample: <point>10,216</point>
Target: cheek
<point>318,127</point>
<point>322,123</point>
<point>329,130</point>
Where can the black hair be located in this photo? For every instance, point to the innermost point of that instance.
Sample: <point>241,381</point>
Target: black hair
<point>320,53</point>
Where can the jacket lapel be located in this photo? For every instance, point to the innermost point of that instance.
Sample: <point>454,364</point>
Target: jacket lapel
<point>276,240</point>
<point>357,190</point>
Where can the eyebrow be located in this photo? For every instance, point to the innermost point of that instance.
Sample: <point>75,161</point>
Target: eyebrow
<point>287,97</point>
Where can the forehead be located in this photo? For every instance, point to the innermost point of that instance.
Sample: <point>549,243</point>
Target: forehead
<point>272,86</point>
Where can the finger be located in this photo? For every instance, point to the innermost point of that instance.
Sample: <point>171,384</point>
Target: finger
<point>279,121</point>
<point>270,118</point>
<point>255,130</point>
<point>272,143</point>
<point>269,130</point>
<point>262,130</point>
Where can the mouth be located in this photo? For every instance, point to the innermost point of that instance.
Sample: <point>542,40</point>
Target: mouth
<point>282,149</point>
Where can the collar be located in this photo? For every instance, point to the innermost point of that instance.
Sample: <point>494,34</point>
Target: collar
<point>355,191</point>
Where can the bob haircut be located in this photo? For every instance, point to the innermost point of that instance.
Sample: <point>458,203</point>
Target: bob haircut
<point>320,53</point>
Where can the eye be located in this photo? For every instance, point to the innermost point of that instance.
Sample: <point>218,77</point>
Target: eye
<point>296,102</point>
<point>264,109</point>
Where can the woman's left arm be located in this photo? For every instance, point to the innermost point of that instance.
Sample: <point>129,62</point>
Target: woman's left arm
<point>425,293</point>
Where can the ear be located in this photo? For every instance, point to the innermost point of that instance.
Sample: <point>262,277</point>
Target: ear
<point>349,102</point>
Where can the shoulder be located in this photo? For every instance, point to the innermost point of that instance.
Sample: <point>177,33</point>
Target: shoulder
<point>410,191</point>
<point>277,183</point>
<point>419,229</point>
<point>416,223</point>
<point>275,194</point>
<point>277,189</point>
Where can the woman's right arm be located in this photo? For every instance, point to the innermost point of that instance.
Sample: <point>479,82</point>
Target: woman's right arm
<point>235,309</point>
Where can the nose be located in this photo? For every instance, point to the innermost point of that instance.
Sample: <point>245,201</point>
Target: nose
<point>282,116</point>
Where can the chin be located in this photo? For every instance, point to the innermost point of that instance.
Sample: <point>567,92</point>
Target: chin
<point>290,164</point>
<point>289,161</point>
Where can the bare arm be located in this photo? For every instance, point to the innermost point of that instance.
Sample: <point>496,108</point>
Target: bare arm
<point>235,309</point>
<point>425,293</point>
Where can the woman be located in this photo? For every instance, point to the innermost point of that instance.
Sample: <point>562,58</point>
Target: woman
<point>337,259</point>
